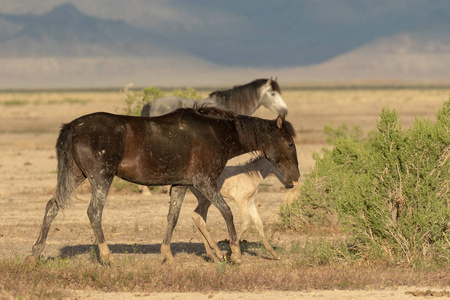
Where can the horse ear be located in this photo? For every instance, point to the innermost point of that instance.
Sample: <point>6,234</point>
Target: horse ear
<point>280,120</point>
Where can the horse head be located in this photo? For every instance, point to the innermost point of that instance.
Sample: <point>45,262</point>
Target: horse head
<point>270,95</point>
<point>281,152</point>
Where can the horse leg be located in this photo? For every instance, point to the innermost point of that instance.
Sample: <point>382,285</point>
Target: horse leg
<point>95,212</point>
<point>260,227</point>
<point>177,194</point>
<point>51,210</point>
<point>243,210</point>
<point>212,193</point>
<point>199,216</point>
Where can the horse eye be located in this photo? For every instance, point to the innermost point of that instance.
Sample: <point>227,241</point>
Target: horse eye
<point>290,144</point>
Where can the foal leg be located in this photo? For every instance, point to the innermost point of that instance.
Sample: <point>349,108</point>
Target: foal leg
<point>245,216</point>
<point>177,194</point>
<point>260,227</point>
<point>211,192</point>
<point>95,212</point>
<point>199,216</point>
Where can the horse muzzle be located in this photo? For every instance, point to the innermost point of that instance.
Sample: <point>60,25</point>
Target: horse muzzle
<point>291,185</point>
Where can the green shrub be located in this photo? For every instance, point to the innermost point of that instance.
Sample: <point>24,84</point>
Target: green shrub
<point>390,191</point>
<point>188,93</point>
<point>134,101</point>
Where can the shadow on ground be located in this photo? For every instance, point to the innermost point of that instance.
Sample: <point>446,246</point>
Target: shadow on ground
<point>197,249</point>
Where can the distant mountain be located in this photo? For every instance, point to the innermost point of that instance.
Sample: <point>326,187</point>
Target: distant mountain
<point>263,33</point>
<point>286,33</point>
<point>66,48</point>
<point>406,56</point>
<point>221,43</point>
<point>66,32</point>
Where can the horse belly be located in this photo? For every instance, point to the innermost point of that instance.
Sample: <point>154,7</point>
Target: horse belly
<point>238,187</point>
<point>154,170</point>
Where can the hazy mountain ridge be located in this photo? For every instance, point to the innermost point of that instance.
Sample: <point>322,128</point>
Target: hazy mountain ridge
<point>66,32</point>
<point>402,57</point>
<point>65,47</point>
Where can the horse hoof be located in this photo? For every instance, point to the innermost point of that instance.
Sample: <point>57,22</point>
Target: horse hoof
<point>167,254</point>
<point>170,260</point>
<point>275,256</point>
<point>107,260</point>
<point>216,258</point>
<point>237,261</point>
<point>30,260</point>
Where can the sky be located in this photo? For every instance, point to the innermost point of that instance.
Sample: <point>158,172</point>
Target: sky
<point>261,33</point>
<point>228,41</point>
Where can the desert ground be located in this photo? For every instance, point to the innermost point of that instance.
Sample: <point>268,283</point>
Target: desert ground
<point>29,125</point>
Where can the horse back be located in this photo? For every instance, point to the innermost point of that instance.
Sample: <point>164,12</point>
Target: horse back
<point>170,149</point>
<point>165,105</point>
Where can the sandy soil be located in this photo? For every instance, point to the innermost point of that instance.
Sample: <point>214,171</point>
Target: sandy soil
<point>27,180</point>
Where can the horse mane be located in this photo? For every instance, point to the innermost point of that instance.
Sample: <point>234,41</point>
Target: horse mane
<point>253,132</point>
<point>275,86</point>
<point>251,160</point>
<point>247,95</point>
<point>212,111</point>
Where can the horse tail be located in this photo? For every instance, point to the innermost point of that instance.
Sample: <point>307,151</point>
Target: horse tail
<point>65,180</point>
<point>146,110</point>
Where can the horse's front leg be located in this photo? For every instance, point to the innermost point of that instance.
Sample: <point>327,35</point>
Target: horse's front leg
<point>177,194</point>
<point>211,192</point>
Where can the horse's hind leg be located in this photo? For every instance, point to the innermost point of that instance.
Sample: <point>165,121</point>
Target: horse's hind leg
<point>51,210</point>
<point>177,194</point>
<point>95,212</point>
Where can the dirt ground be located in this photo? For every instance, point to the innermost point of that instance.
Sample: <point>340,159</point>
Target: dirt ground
<point>29,124</point>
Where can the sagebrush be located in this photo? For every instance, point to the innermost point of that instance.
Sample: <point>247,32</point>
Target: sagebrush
<point>390,191</point>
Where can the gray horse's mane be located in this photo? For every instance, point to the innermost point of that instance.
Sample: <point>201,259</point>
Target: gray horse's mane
<point>247,95</point>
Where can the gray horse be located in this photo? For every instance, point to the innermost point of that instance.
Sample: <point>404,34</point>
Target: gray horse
<point>243,99</point>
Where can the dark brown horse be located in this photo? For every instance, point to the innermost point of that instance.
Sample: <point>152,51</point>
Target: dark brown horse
<point>189,147</point>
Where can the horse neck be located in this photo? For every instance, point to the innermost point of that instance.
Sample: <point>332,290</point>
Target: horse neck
<point>233,143</point>
<point>241,100</point>
<point>247,169</point>
<point>265,167</point>
<point>257,170</point>
<point>260,165</point>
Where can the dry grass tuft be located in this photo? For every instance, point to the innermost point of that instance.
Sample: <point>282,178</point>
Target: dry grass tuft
<point>137,273</point>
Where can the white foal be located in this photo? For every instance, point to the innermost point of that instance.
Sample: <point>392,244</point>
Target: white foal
<point>240,184</point>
